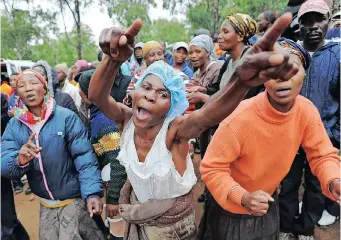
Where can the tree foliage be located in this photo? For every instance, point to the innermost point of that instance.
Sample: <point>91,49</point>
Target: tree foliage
<point>59,50</point>
<point>19,30</point>
<point>35,35</point>
<point>169,31</point>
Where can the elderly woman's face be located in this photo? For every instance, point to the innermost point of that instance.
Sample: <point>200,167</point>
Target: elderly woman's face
<point>198,56</point>
<point>228,37</point>
<point>151,102</point>
<point>155,54</point>
<point>30,90</point>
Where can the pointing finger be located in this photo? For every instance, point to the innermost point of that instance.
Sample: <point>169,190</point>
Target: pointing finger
<point>133,30</point>
<point>31,137</point>
<point>270,37</point>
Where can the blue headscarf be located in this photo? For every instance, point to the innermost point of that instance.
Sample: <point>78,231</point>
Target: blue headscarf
<point>174,84</point>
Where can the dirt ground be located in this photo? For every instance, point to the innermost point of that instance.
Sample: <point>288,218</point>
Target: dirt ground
<point>28,212</point>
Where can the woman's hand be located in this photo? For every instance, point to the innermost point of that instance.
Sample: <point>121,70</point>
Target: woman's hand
<point>334,188</point>
<point>117,43</point>
<point>94,205</point>
<point>197,89</point>
<point>112,210</point>
<point>195,97</point>
<point>257,203</point>
<point>28,151</point>
<point>266,59</point>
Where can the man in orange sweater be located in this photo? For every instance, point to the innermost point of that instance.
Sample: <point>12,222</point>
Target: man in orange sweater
<point>253,150</point>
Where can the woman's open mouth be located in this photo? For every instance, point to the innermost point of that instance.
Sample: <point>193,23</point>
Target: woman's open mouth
<point>30,97</point>
<point>283,92</point>
<point>143,114</point>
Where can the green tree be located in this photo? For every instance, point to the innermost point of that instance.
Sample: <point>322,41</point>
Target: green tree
<point>169,31</point>
<point>60,50</point>
<point>75,7</point>
<point>126,11</point>
<point>19,30</point>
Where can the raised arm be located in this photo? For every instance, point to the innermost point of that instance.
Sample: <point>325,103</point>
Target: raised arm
<point>264,61</point>
<point>117,46</point>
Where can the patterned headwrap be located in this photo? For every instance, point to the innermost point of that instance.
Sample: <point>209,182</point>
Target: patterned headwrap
<point>296,49</point>
<point>174,84</point>
<point>244,25</point>
<point>148,46</point>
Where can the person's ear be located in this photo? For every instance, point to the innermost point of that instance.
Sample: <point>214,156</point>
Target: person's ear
<point>240,39</point>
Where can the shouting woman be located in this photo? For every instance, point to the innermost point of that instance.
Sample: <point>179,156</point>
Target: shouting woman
<point>157,199</point>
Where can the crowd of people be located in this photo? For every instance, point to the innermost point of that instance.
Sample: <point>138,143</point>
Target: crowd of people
<point>110,140</point>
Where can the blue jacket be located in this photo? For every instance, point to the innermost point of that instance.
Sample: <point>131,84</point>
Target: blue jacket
<point>322,86</point>
<point>67,166</point>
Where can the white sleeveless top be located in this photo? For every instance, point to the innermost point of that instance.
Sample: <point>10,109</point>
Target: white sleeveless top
<point>156,177</point>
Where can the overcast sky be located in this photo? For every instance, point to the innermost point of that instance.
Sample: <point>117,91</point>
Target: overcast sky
<point>95,19</point>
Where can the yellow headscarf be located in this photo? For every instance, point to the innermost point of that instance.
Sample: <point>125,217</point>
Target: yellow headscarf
<point>148,46</point>
<point>244,25</point>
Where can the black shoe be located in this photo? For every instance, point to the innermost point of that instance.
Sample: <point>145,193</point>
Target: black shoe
<point>18,189</point>
<point>202,198</point>
<point>28,191</point>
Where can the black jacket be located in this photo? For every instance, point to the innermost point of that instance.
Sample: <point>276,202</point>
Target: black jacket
<point>4,113</point>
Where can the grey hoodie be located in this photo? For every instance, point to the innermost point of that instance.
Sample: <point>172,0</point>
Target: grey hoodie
<point>62,99</point>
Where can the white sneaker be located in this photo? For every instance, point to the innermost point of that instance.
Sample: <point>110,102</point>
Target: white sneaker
<point>326,219</point>
<point>302,237</point>
<point>285,236</point>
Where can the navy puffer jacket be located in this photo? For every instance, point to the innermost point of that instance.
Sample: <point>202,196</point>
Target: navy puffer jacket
<point>67,167</point>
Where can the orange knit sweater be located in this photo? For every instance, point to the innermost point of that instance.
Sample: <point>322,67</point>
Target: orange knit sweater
<point>254,148</point>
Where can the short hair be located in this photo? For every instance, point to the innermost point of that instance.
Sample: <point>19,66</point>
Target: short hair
<point>269,16</point>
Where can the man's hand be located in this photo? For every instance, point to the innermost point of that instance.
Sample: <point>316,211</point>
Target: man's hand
<point>117,43</point>
<point>28,151</point>
<point>266,59</point>
<point>334,188</point>
<point>112,210</point>
<point>94,205</point>
<point>257,203</point>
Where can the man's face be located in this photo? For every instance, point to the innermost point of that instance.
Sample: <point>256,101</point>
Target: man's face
<point>262,23</point>
<point>138,53</point>
<point>61,75</point>
<point>313,27</point>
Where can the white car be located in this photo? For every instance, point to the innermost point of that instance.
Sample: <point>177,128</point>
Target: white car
<point>8,67</point>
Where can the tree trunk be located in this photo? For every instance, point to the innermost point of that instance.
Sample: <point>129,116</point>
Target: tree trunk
<point>216,16</point>
<point>79,32</point>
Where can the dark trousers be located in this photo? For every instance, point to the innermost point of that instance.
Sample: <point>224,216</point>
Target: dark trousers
<point>11,228</point>
<point>313,200</point>
<point>205,138</point>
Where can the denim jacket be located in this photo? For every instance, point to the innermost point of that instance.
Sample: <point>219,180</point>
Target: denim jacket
<point>322,87</point>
